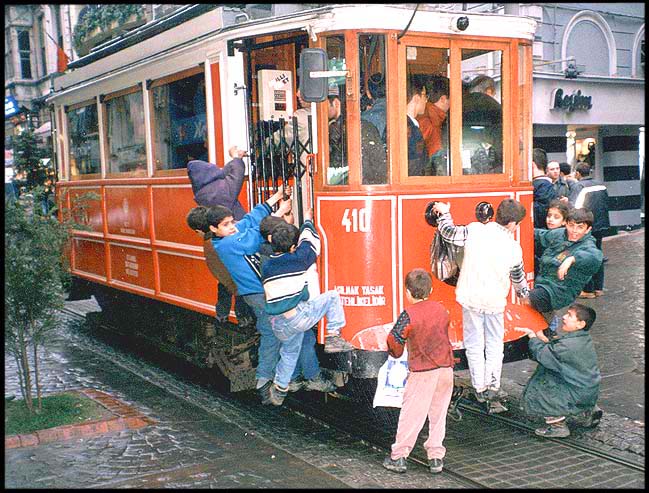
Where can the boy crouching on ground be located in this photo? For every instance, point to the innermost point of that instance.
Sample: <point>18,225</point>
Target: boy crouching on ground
<point>430,380</point>
<point>291,312</point>
<point>566,381</point>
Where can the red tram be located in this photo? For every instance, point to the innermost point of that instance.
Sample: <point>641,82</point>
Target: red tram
<point>129,118</point>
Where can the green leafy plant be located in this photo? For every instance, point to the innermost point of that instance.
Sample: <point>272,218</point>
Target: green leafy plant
<point>33,165</point>
<point>102,16</point>
<point>35,271</point>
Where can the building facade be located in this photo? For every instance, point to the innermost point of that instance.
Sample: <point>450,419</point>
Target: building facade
<point>589,93</point>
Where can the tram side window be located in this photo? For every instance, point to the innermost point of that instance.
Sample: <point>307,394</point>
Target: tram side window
<point>427,109</point>
<point>83,129</point>
<point>482,128</point>
<point>373,109</point>
<point>125,134</point>
<point>180,124</point>
<point>338,171</point>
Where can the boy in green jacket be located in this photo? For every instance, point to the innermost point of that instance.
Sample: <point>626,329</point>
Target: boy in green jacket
<point>566,381</point>
<point>569,259</point>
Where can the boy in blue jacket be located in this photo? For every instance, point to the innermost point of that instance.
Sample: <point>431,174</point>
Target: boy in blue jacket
<point>291,312</point>
<point>236,244</point>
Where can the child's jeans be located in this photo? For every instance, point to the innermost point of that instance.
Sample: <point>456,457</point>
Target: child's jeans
<point>290,331</point>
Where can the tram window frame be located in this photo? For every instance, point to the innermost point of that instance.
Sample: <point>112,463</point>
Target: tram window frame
<point>454,117</point>
<point>137,173</point>
<point>350,105</point>
<point>506,104</point>
<point>169,79</point>
<point>387,139</point>
<point>524,131</point>
<point>423,40</point>
<point>68,157</point>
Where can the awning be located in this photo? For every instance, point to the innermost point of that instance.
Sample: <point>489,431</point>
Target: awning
<point>45,129</point>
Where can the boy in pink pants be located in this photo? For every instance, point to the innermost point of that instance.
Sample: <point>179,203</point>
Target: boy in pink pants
<point>428,390</point>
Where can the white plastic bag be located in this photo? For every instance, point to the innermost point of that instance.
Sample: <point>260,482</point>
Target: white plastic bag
<point>391,381</point>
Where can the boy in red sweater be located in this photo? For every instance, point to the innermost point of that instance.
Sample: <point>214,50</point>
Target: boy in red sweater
<point>428,390</point>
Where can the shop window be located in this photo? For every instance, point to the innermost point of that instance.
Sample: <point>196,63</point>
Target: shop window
<point>125,135</point>
<point>338,170</point>
<point>83,131</point>
<point>427,108</point>
<point>179,122</point>
<point>24,51</point>
<point>482,117</point>
<point>374,132</point>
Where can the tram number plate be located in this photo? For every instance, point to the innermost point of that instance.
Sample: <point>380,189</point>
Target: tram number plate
<point>356,220</point>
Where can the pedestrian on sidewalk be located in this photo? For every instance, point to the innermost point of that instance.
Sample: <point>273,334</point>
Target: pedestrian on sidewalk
<point>567,378</point>
<point>592,195</point>
<point>429,385</point>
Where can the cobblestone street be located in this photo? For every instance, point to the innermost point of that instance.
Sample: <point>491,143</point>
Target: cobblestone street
<point>201,440</point>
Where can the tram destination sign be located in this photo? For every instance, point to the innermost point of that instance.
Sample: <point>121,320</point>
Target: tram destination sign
<point>574,101</point>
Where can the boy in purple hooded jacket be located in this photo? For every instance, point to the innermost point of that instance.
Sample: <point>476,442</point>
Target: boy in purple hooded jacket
<point>212,186</point>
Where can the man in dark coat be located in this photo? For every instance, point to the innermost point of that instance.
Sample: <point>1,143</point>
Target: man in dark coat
<point>544,192</point>
<point>591,194</point>
<point>567,379</point>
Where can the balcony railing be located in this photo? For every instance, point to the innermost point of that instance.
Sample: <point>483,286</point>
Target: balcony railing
<point>99,23</point>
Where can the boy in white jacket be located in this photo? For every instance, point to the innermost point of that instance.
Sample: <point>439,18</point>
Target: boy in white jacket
<point>491,258</point>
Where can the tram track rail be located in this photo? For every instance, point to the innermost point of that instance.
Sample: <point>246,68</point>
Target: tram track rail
<point>565,442</point>
<point>309,406</point>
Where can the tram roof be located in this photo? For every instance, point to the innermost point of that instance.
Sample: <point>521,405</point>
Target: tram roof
<point>199,24</point>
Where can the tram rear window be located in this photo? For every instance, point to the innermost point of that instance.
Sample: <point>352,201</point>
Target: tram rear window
<point>179,122</point>
<point>83,129</point>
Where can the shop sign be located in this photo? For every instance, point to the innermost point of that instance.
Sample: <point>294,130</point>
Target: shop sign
<point>574,101</point>
<point>11,107</point>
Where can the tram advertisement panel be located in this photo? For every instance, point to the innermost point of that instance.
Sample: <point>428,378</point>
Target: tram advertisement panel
<point>358,257</point>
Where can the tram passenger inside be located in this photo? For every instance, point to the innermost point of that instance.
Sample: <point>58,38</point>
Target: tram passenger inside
<point>417,98</point>
<point>373,134</point>
<point>376,115</point>
<point>482,128</point>
<point>434,126</point>
<point>338,167</point>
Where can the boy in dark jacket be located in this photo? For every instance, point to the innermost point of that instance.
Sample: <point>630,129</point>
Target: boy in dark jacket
<point>429,386</point>
<point>290,309</point>
<point>566,381</point>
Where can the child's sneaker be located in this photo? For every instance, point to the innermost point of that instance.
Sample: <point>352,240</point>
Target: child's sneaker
<point>436,465</point>
<point>336,344</point>
<point>277,395</point>
<point>481,397</point>
<point>555,430</point>
<point>320,384</point>
<point>398,465</point>
<point>593,417</point>
<point>495,407</point>
<point>295,385</point>
<point>264,392</point>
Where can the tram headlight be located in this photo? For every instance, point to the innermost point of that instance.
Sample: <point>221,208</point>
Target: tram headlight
<point>460,23</point>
